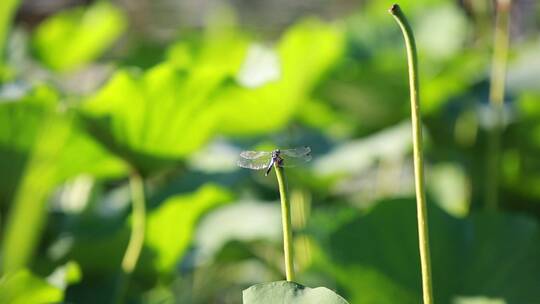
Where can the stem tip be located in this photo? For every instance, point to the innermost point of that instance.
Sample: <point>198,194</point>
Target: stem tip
<point>394,9</point>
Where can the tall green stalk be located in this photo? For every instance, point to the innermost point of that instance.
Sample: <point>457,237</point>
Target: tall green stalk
<point>286,222</point>
<point>136,239</point>
<point>423,233</point>
<point>7,11</point>
<point>496,100</point>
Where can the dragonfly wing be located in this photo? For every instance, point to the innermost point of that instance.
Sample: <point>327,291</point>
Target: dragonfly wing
<point>255,164</point>
<point>255,154</point>
<point>296,152</point>
<point>295,161</point>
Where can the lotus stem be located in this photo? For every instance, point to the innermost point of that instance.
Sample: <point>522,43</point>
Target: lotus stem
<point>496,101</point>
<point>136,239</point>
<point>423,231</point>
<point>286,222</point>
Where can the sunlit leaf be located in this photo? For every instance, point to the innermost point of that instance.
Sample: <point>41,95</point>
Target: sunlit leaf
<point>77,36</point>
<point>305,52</point>
<point>24,287</point>
<point>155,118</point>
<point>169,112</point>
<point>161,116</point>
<point>206,52</point>
<point>171,226</point>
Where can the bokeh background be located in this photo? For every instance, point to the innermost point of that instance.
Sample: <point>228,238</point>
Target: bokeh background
<point>95,94</point>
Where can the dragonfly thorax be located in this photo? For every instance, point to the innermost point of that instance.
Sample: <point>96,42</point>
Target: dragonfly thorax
<point>276,158</point>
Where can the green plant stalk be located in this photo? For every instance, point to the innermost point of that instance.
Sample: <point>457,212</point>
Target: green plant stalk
<point>136,239</point>
<point>500,53</point>
<point>28,213</point>
<point>423,232</point>
<point>7,11</point>
<point>496,100</point>
<point>286,222</point>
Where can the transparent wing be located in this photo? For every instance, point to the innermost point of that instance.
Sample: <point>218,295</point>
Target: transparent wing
<point>254,163</point>
<point>255,154</point>
<point>297,152</point>
<point>295,161</point>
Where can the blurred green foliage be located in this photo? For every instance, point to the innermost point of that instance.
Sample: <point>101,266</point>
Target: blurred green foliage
<point>24,287</point>
<point>82,107</point>
<point>463,252</point>
<point>175,219</point>
<point>42,147</point>
<point>80,35</point>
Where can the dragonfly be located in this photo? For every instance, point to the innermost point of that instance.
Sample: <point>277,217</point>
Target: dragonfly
<point>258,160</point>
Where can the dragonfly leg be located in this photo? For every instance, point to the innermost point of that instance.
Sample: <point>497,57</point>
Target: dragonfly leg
<point>269,168</point>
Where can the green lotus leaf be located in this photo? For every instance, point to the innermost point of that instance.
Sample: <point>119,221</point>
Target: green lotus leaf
<point>80,35</point>
<point>289,293</point>
<point>491,255</point>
